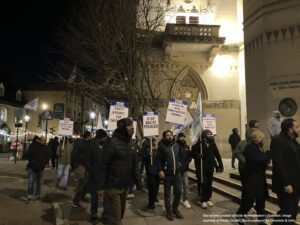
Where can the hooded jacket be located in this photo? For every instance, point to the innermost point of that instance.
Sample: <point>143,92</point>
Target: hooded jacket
<point>150,159</point>
<point>185,155</point>
<point>119,166</point>
<point>210,156</point>
<point>38,156</point>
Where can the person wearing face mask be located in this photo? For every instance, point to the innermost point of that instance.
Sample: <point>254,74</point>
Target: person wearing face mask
<point>118,169</point>
<point>208,160</point>
<point>185,159</point>
<point>255,182</point>
<point>169,170</point>
<point>274,124</point>
<point>285,152</point>
<point>95,159</point>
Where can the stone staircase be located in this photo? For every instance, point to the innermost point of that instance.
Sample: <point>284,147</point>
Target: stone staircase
<point>228,184</point>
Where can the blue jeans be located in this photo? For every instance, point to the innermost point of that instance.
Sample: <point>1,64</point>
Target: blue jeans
<point>63,174</point>
<point>34,182</point>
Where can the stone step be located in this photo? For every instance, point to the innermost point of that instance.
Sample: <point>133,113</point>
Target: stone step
<point>235,174</point>
<point>231,188</point>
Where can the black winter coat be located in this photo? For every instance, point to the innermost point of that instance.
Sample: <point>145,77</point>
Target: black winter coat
<point>210,156</point>
<point>255,170</point>
<point>234,140</point>
<point>150,160</point>
<point>120,163</point>
<point>38,156</point>
<point>95,160</point>
<point>185,156</point>
<point>80,154</point>
<point>285,153</point>
<point>169,158</point>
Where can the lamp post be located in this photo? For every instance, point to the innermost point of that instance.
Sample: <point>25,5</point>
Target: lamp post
<point>26,118</point>
<point>105,123</point>
<point>45,107</point>
<point>92,117</point>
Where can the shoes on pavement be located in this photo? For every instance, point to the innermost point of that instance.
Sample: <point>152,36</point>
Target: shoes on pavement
<point>186,204</point>
<point>204,205</point>
<point>150,206</point>
<point>178,214</point>
<point>210,204</point>
<point>94,220</point>
<point>76,205</point>
<point>170,217</point>
<point>130,196</point>
<point>37,199</point>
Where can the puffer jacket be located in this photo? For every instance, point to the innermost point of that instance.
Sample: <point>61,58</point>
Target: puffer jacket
<point>169,158</point>
<point>38,156</point>
<point>119,166</point>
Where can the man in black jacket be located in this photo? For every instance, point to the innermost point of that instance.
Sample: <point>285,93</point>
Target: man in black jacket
<point>285,153</point>
<point>38,156</point>
<point>149,157</point>
<point>169,170</point>
<point>210,160</point>
<point>95,160</point>
<point>117,170</point>
<point>185,159</point>
<point>234,140</point>
<point>80,165</point>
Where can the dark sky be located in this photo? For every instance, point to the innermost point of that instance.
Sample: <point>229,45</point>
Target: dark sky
<point>27,29</point>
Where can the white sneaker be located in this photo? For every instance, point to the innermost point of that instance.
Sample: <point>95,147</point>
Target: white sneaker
<point>186,204</point>
<point>210,204</point>
<point>130,196</point>
<point>204,205</point>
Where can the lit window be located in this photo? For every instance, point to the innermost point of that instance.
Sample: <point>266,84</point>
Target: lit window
<point>3,114</point>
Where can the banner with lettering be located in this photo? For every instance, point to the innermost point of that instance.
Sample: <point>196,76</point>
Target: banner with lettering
<point>150,124</point>
<point>118,110</point>
<point>176,112</point>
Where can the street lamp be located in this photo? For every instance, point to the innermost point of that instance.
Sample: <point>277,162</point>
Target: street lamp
<point>26,118</point>
<point>92,117</point>
<point>105,123</point>
<point>45,107</point>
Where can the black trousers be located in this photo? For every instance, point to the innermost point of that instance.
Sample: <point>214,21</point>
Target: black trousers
<point>153,186</point>
<point>288,204</point>
<point>174,181</point>
<point>249,196</point>
<point>205,187</point>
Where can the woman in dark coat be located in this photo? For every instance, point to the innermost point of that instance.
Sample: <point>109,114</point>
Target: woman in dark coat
<point>255,183</point>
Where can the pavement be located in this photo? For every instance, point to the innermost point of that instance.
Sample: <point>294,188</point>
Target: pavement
<point>56,205</point>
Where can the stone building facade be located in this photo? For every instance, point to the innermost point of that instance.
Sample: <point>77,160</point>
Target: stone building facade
<point>204,51</point>
<point>272,50</point>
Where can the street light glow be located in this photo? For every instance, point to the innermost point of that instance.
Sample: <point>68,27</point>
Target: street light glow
<point>105,122</point>
<point>44,106</point>
<point>92,115</point>
<point>26,118</point>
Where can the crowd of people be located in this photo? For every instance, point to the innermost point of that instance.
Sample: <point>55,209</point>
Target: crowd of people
<point>109,167</point>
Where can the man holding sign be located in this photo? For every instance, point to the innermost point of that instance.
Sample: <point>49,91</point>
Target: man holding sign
<point>169,170</point>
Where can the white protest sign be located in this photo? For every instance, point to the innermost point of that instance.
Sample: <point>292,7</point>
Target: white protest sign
<point>150,124</point>
<point>187,122</point>
<point>134,127</point>
<point>176,111</point>
<point>65,127</point>
<point>209,123</point>
<point>118,110</point>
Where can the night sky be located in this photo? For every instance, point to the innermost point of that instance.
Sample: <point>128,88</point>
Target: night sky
<point>27,37</point>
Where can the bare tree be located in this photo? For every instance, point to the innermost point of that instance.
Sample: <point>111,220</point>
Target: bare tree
<point>115,46</point>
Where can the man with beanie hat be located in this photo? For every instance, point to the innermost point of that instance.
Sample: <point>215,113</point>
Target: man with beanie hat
<point>117,170</point>
<point>95,159</point>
